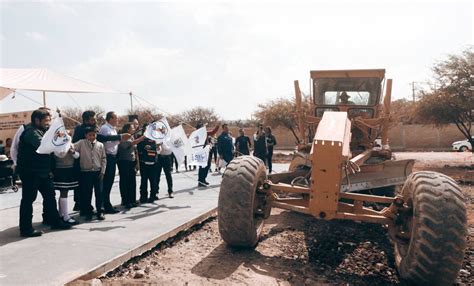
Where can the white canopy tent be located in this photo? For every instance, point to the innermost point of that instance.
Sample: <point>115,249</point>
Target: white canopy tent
<point>45,81</point>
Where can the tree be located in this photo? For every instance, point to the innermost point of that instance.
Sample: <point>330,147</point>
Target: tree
<point>145,115</point>
<point>198,115</point>
<point>282,112</point>
<point>451,100</point>
<point>72,116</point>
<point>403,111</point>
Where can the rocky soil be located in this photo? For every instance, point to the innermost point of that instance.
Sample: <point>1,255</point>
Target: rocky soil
<point>294,249</point>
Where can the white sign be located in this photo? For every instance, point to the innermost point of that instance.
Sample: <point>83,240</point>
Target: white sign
<point>198,137</point>
<point>159,131</point>
<point>179,144</point>
<point>55,139</point>
<point>200,156</point>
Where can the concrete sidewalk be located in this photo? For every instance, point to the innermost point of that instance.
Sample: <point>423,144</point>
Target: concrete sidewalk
<point>58,257</point>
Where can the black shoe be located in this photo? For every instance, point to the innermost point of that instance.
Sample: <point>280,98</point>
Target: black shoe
<point>170,195</point>
<point>100,216</point>
<point>46,222</point>
<point>31,233</point>
<point>201,184</point>
<point>61,225</point>
<point>77,207</point>
<point>134,205</point>
<point>88,217</point>
<point>143,200</point>
<point>72,221</point>
<point>111,211</point>
<point>207,183</point>
<point>152,199</point>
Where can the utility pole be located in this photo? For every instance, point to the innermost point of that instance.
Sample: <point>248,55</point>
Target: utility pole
<point>131,102</point>
<point>413,90</point>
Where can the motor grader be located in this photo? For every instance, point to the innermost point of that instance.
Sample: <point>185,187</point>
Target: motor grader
<point>337,173</point>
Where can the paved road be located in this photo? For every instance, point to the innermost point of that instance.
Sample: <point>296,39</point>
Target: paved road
<point>59,256</point>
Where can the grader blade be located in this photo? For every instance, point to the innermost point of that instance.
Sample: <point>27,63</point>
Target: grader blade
<point>388,173</point>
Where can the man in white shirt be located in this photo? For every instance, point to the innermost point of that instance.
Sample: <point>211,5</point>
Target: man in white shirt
<point>111,148</point>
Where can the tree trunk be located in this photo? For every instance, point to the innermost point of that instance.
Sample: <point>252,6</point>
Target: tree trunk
<point>294,134</point>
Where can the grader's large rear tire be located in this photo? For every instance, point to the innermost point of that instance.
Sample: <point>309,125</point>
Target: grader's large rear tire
<point>434,231</point>
<point>241,208</point>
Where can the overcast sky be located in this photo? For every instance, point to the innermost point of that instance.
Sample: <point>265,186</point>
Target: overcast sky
<point>228,56</point>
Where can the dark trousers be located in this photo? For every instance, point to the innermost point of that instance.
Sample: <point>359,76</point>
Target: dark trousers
<point>261,156</point>
<point>164,163</point>
<point>89,181</point>
<point>109,178</point>
<point>148,174</point>
<point>31,184</point>
<point>269,158</point>
<point>213,152</point>
<point>128,182</point>
<point>203,171</point>
<point>174,161</point>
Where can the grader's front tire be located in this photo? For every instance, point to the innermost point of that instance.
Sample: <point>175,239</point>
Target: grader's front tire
<point>241,207</point>
<point>435,230</point>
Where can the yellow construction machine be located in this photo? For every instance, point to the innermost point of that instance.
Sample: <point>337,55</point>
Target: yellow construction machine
<point>339,173</point>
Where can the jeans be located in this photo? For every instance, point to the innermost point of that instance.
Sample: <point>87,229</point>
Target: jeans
<point>148,174</point>
<point>128,182</point>
<point>31,184</point>
<point>109,178</point>
<point>164,163</point>
<point>89,181</point>
<point>269,158</point>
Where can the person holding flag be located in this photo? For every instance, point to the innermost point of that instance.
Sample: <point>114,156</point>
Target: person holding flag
<point>126,165</point>
<point>35,174</point>
<point>198,140</point>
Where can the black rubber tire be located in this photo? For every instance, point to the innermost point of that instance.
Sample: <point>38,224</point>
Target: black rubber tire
<point>435,251</point>
<point>239,226</point>
<point>463,149</point>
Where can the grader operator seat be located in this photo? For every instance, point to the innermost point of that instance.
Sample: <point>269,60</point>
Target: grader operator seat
<point>357,92</point>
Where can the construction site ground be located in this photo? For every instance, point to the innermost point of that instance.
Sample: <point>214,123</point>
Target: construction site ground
<point>294,249</point>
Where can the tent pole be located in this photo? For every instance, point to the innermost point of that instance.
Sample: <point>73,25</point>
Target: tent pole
<point>44,98</point>
<point>131,103</point>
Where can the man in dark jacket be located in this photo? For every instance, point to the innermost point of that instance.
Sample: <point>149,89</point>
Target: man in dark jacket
<point>35,174</point>
<point>147,154</point>
<point>225,147</point>
<point>242,143</point>
<point>260,144</point>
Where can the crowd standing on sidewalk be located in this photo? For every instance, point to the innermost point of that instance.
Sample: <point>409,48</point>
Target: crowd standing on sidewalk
<point>89,166</point>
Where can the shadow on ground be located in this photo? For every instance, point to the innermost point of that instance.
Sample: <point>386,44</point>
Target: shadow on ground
<point>306,248</point>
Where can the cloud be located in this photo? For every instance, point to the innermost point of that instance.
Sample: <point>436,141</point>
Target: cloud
<point>234,56</point>
<point>36,36</point>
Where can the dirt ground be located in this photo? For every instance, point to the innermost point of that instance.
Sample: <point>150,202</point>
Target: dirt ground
<point>294,249</point>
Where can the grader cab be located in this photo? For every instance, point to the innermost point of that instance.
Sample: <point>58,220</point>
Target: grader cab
<point>340,174</point>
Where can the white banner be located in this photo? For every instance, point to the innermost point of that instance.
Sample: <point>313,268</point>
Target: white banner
<point>159,131</point>
<point>55,139</point>
<point>179,143</point>
<point>200,156</point>
<point>198,137</point>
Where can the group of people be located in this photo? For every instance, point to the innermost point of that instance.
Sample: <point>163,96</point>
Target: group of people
<point>264,142</point>
<point>89,166</point>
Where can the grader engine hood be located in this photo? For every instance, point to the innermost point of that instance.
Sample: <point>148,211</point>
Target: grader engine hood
<point>368,170</point>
